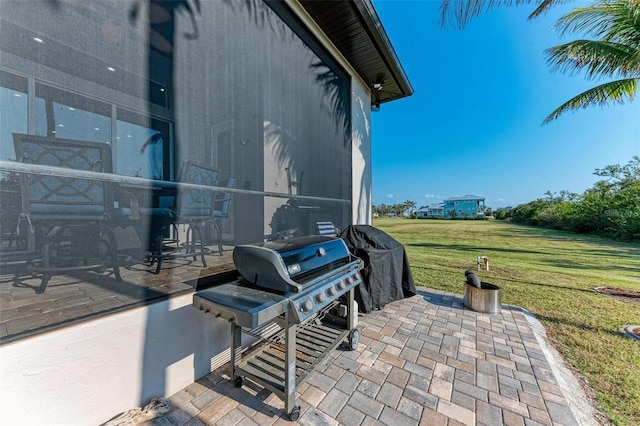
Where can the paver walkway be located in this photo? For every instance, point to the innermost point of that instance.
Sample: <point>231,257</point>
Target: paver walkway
<point>425,360</point>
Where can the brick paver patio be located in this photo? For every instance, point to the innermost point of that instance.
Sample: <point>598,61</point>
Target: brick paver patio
<point>425,360</point>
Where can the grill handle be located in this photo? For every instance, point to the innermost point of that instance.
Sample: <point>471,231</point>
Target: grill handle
<point>272,268</point>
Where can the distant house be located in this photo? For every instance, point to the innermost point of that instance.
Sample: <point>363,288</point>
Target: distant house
<point>434,210</point>
<point>465,206</point>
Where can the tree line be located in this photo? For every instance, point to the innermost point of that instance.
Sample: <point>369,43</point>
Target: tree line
<point>610,208</point>
<point>398,210</point>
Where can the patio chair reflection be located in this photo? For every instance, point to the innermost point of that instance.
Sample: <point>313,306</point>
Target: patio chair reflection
<point>70,220</point>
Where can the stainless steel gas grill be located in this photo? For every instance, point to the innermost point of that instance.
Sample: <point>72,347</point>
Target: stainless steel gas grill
<point>296,298</point>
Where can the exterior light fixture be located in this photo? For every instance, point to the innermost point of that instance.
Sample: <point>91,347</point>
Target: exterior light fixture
<point>112,69</point>
<point>377,85</point>
<point>38,40</point>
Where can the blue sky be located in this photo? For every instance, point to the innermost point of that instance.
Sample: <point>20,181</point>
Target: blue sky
<point>473,125</point>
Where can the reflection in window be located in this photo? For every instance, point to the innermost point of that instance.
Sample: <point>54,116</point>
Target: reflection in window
<point>142,146</point>
<point>13,119</point>
<point>253,96</point>
<point>65,115</point>
<point>13,98</point>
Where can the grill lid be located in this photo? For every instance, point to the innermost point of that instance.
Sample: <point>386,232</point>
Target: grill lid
<point>288,265</point>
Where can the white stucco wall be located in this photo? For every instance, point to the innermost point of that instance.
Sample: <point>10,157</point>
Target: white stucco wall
<point>361,152</point>
<point>87,373</point>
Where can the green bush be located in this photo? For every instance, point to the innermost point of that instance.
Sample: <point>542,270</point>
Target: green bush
<point>610,208</point>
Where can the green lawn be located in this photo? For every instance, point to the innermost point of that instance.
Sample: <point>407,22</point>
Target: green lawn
<point>551,274</point>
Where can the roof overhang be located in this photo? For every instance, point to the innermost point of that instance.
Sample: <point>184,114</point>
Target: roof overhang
<point>354,27</point>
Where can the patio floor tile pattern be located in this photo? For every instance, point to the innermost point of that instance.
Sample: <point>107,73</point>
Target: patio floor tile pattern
<point>425,360</point>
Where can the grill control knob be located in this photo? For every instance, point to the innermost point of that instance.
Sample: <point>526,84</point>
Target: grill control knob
<point>320,297</point>
<point>306,306</point>
<point>350,279</point>
<point>331,291</point>
<point>340,285</point>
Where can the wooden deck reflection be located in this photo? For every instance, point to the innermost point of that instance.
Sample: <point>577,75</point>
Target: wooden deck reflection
<point>80,296</point>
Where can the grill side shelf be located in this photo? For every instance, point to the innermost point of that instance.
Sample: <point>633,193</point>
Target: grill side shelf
<point>266,365</point>
<point>241,303</point>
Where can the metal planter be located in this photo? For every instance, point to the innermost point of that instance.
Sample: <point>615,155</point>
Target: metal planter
<point>486,299</point>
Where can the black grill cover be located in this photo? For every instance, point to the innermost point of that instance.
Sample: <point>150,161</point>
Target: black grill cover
<point>386,275</point>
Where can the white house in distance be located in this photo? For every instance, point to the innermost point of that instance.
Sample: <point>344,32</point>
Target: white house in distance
<point>114,109</point>
<point>465,206</point>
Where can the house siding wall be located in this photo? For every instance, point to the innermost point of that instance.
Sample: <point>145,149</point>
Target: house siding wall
<point>468,207</point>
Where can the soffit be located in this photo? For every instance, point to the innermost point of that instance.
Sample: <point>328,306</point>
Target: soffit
<point>354,27</point>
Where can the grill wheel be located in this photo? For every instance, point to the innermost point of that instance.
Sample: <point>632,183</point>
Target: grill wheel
<point>354,338</point>
<point>295,414</point>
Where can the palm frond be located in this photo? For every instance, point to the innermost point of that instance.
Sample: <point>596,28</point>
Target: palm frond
<point>460,12</point>
<point>545,6</point>
<point>597,58</point>
<point>611,20</point>
<point>619,91</point>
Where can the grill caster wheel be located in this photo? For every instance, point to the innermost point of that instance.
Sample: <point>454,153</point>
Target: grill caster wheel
<point>295,414</point>
<point>239,382</point>
<point>354,338</point>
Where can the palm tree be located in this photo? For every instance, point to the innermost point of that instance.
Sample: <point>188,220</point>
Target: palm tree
<point>409,206</point>
<point>614,53</point>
